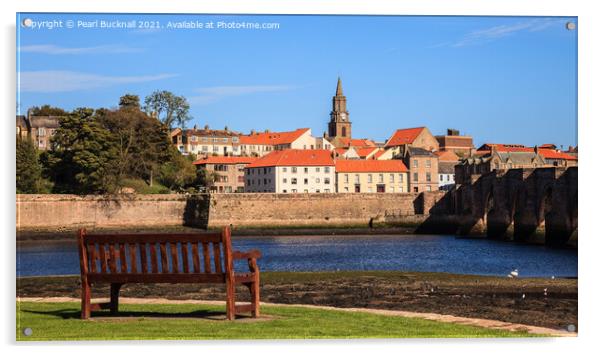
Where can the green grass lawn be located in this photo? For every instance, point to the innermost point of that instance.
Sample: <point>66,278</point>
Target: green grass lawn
<point>60,321</point>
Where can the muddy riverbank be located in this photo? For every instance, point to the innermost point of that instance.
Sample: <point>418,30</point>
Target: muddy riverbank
<point>542,302</point>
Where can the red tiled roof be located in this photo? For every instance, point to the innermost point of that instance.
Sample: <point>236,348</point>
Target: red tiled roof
<point>378,154</point>
<point>361,143</point>
<point>225,160</point>
<point>341,151</point>
<point>370,166</point>
<point>547,146</point>
<point>272,138</point>
<point>404,136</point>
<point>364,152</point>
<point>295,157</point>
<point>553,154</point>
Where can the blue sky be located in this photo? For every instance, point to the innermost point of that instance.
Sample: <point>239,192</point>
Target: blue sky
<point>499,79</point>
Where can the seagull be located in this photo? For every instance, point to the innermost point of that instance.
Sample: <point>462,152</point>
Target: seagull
<point>513,274</point>
<point>524,296</point>
<point>545,292</point>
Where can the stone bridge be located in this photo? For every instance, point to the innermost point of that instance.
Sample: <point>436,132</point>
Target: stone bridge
<point>518,203</point>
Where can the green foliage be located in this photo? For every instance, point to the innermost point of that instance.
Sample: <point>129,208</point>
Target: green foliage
<point>29,170</point>
<point>129,101</point>
<point>48,110</point>
<point>141,142</point>
<point>172,110</point>
<point>179,173</point>
<point>82,154</point>
<point>140,186</point>
<point>60,321</point>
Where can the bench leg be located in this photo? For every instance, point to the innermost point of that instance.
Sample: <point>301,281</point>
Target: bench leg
<point>230,300</point>
<point>86,307</point>
<point>255,296</point>
<point>115,287</point>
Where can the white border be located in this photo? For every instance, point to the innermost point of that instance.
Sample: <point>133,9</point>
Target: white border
<point>590,20</point>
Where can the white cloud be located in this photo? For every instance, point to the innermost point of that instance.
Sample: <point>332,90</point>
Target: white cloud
<point>490,34</point>
<point>212,94</point>
<point>64,81</point>
<point>57,50</point>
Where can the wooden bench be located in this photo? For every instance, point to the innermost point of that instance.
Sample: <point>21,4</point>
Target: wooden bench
<point>118,259</point>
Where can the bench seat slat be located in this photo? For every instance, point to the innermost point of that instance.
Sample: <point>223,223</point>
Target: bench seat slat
<point>153,238</point>
<point>157,278</point>
<point>92,258</point>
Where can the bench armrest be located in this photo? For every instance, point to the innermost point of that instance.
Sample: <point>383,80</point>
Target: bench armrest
<point>252,254</point>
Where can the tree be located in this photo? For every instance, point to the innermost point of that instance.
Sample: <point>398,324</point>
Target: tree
<point>179,173</point>
<point>82,154</point>
<point>47,110</point>
<point>172,110</point>
<point>142,143</point>
<point>29,171</point>
<point>129,101</point>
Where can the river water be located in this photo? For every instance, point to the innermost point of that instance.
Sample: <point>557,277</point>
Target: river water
<point>420,253</point>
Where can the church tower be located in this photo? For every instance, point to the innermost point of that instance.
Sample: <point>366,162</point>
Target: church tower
<point>339,125</point>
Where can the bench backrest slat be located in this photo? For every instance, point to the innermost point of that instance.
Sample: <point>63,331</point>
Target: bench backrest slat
<point>196,262</point>
<point>130,254</point>
<point>206,257</point>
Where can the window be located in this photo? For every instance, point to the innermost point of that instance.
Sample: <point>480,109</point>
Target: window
<point>193,139</point>
<point>391,189</point>
<point>428,188</point>
<point>305,181</point>
<point>381,178</point>
<point>448,178</point>
<point>428,163</point>
<point>293,191</point>
<point>370,178</point>
<point>441,178</point>
<point>294,169</point>
<point>284,191</point>
<point>293,181</point>
<point>215,148</point>
<point>215,140</point>
<point>415,163</point>
<point>415,177</point>
<point>283,169</point>
<point>317,191</point>
<point>327,169</point>
<point>205,148</point>
<point>235,139</point>
<point>265,181</point>
<point>346,178</point>
<point>225,140</point>
<point>369,189</point>
<point>41,131</point>
<point>428,176</point>
<point>357,178</point>
<point>305,170</point>
<point>326,180</point>
<point>317,169</point>
<point>284,180</point>
<point>415,189</point>
<point>265,171</point>
<point>305,191</point>
<point>346,189</point>
<point>204,139</point>
<point>327,190</point>
<point>391,178</point>
<point>401,177</point>
<point>235,148</point>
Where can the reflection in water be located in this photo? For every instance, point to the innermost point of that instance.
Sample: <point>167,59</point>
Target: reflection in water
<point>421,253</point>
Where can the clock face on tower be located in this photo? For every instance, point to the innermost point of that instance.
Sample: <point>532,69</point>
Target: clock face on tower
<point>343,117</point>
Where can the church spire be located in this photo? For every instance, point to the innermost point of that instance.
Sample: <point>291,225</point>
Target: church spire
<point>339,88</point>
